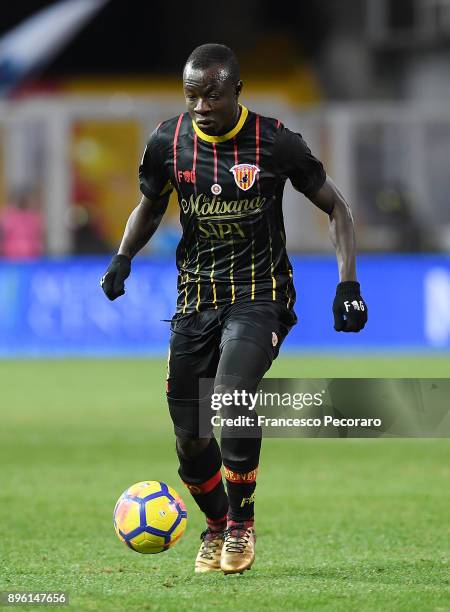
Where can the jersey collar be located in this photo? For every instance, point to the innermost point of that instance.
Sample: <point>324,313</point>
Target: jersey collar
<point>237,128</point>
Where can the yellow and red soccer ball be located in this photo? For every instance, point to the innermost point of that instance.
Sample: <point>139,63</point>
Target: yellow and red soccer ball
<point>149,517</point>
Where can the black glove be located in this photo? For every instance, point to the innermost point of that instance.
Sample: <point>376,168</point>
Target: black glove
<point>349,308</point>
<point>113,281</point>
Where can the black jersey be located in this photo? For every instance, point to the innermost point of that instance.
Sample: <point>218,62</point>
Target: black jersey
<point>230,189</point>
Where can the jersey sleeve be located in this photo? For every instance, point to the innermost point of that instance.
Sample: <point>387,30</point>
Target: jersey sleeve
<point>293,158</point>
<point>153,177</point>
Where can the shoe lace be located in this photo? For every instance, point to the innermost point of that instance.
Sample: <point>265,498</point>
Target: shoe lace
<point>210,544</point>
<point>236,538</point>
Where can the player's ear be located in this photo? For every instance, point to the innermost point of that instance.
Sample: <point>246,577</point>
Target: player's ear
<point>239,86</point>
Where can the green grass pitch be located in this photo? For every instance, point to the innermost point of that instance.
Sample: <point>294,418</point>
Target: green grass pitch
<point>342,524</point>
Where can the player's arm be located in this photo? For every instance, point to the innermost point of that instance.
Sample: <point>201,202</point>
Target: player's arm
<point>342,232</point>
<point>141,225</point>
<point>349,308</point>
<point>293,159</point>
<point>144,220</point>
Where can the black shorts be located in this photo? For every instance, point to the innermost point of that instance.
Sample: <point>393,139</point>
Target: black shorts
<point>238,340</point>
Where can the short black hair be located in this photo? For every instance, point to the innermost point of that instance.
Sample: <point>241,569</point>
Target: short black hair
<point>205,56</point>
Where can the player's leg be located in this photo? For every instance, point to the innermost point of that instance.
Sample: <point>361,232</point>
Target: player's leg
<point>242,365</point>
<point>194,354</point>
<point>251,338</point>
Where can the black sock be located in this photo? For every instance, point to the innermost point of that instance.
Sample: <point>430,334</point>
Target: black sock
<point>203,478</point>
<point>241,495</point>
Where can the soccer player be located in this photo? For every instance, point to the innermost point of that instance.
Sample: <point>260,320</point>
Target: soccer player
<point>236,295</point>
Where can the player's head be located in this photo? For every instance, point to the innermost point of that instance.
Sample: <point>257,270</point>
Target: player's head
<point>212,84</point>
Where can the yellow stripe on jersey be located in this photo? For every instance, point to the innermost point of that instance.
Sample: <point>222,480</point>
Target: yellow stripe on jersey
<point>289,297</point>
<point>197,307</point>
<point>274,282</point>
<point>233,295</point>
<point>167,187</point>
<point>212,278</point>
<point>181,279</point>
<point>283,238</point>
<point>231,134</point>
<point>186,281</point>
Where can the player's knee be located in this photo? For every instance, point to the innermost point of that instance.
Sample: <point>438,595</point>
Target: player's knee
<point>189,448</point>
<point>223,389</point>
<point>231,397</point>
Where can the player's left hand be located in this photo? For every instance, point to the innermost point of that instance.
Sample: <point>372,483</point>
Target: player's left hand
<point>349,308</point>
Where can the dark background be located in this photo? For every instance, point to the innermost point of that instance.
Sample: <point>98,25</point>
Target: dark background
<point>154,37</point>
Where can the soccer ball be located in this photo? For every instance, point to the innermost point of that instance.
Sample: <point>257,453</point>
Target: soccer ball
<point>150,517</point>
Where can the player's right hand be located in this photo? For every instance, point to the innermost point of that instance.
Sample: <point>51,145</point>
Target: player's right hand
<point>113,281</point>
<point>349,308</point>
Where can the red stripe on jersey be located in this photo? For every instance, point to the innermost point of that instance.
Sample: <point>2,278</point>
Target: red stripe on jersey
<point>235,151</point>
<point>278,123</point>
<point>175,140</point>
<point>257,149</point>
<point>257,140</point>
<point>194,161</point>
<point>215,161</point>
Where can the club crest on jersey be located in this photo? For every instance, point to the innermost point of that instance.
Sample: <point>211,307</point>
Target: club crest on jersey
<point>244,175</point>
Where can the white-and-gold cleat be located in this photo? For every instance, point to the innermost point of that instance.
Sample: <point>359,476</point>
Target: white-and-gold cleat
<point>238,551</point>
<point>208,557</point>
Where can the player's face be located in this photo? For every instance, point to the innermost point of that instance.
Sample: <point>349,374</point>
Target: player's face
<point>212,99</point>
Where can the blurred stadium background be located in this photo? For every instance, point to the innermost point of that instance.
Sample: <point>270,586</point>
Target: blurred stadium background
<point>82,84</point>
